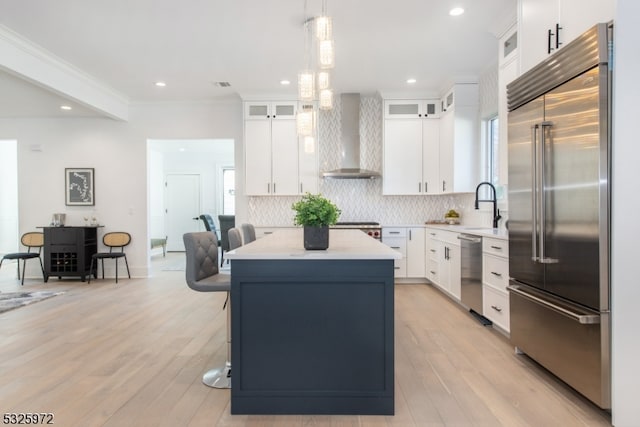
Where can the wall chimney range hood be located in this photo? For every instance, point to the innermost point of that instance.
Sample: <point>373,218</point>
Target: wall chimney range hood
<point>350,142</point>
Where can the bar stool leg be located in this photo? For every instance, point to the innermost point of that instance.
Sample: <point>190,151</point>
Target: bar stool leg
<point>221,377</point>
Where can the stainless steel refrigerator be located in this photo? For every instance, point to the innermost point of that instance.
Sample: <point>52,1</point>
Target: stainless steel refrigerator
<point>559,202</point>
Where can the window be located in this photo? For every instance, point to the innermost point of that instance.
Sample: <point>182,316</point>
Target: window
<point>229,191</point>
<point>491,152</point>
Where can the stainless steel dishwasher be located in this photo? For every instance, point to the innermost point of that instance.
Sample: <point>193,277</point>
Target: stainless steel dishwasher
<point>471,274</point>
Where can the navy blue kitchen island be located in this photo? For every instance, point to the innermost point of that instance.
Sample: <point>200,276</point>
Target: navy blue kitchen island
<point>312,332</point>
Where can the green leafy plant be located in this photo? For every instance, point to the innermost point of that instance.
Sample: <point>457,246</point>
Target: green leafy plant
<point>313,210</point>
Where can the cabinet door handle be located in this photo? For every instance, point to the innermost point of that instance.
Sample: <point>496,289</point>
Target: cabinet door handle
<point>549,35</point>
<point>558,43</point>
<point>498,248</point>
<point>268,188</point>
<point>426,188</point>
<point>444,185</point>
<point>301,187</point>
<point>409,234</point>
<point>498,309</point>
<point>419,187</point>
<point>496,274</point>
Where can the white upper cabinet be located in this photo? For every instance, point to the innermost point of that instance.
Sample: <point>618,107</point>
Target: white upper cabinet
<point>507,72</point>
<point>262,110</point>
<point>544,26</point>
<point>411,109</point>
<point>402,169</point>
<point>276,162</point>
<point>459,133</point>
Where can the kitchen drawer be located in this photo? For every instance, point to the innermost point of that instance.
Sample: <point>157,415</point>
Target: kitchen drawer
<point>497,247</point>
<point>400,267</point>
<point>266,231</point>
<point>394,232</point>
<point>396,243</point>
<point>495,271</point>
<point>433,249</point>
<point>432,271</point>
<point>443,236</point>
<point>495,306</point>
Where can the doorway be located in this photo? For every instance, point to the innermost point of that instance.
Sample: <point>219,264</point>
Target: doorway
<point>9,227</point>
<point>210,159</point>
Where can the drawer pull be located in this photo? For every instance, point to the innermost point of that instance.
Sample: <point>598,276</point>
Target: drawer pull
<point>433,234</point>
<point>394,232</point>
<point>432,250</point>
<point>268,232</point>
<point>433,272</point>
<point>498,248</point>
<point>498,309</point>
<point>396,268</point>
<point>395,247</point>
<point>496,274</point>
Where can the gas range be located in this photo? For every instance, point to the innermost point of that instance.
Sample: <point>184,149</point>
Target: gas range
<point>373,229</point>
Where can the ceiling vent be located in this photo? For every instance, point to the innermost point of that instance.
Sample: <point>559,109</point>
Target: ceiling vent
<point>222,84</point>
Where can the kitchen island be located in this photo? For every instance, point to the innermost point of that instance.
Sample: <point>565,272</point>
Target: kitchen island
<point>312,332</point>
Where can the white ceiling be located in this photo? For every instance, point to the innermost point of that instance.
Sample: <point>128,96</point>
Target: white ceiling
<point>127,45</point>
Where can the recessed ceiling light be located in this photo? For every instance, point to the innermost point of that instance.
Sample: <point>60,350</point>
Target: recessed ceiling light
<point>65,107</point>
<point>456,11</point>
<point>285,82</point>
<point>181,150</point>
<point>160,84</point>
<point>411,81</point>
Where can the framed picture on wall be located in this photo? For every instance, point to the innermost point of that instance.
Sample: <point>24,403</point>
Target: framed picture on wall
<point>79,187</point>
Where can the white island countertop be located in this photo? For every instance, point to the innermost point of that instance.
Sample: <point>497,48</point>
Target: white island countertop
<point>288,245</point>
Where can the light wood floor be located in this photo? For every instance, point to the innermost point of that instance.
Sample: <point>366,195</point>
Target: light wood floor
<point>133,354</point>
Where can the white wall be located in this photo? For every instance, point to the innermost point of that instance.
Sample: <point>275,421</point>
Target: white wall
<point>625,288</point>
<point>118,152</point>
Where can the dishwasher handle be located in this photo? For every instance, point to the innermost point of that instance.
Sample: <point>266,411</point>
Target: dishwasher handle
<point>470,238</point>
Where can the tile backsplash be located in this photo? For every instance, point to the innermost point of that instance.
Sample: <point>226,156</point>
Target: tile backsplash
<point>362,199</point>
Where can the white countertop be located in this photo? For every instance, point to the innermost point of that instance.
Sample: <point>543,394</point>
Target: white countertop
<point>287,244</point>
<point>497,233</point>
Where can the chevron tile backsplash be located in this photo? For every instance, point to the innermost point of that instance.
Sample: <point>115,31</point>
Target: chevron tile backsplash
<point>362,199</point>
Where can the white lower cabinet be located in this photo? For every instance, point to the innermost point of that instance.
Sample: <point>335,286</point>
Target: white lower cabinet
<point>410,242</point>
<point>443,260</point>
<point>495,279</point>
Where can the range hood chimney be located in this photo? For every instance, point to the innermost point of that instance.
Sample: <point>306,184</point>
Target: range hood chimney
<point>350,142</point>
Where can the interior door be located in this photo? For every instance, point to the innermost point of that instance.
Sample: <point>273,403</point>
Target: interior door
<point>182,206</point>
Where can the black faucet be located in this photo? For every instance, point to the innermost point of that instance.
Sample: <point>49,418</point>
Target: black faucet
<point>496,211</point>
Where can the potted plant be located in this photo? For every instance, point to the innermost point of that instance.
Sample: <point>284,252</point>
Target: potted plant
<point>315,213</point>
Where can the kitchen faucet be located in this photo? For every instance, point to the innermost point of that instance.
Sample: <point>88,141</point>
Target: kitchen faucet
<point>496,211</point>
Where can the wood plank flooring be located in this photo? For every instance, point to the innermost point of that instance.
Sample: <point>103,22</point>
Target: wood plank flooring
<point>133,354</point>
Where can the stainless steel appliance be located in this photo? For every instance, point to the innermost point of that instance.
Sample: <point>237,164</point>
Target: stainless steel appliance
<point>471,273</point>
<point>373,229</point>
<point>559,202</point>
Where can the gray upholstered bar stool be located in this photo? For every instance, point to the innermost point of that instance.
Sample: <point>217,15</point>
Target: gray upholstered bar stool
<point>202,275</point>
<point>248,233</point>
<point>235,239</point>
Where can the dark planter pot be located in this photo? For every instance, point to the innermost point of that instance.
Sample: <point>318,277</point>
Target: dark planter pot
<point>316,238</point>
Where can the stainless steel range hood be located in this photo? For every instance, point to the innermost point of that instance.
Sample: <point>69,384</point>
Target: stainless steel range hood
<point>350,142</point>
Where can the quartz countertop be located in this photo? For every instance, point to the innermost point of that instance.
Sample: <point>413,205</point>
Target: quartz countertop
<point>497,233</point>
<point>287,244</point>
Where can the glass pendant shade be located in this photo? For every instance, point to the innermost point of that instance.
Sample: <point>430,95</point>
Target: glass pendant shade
<point>324,80</point>
<point>306,89</point>
<point>304,122</point>
<point>326,54</point>
<point>326,99</point>
<point>324,28</point>
<point>309,144</point>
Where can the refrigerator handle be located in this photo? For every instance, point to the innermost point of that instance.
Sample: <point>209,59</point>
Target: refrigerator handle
<point>546,127</point>
<point>534,192</point>
<point>580,317</point>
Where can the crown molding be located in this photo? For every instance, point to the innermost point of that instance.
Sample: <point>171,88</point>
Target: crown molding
<point>29,61</point>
